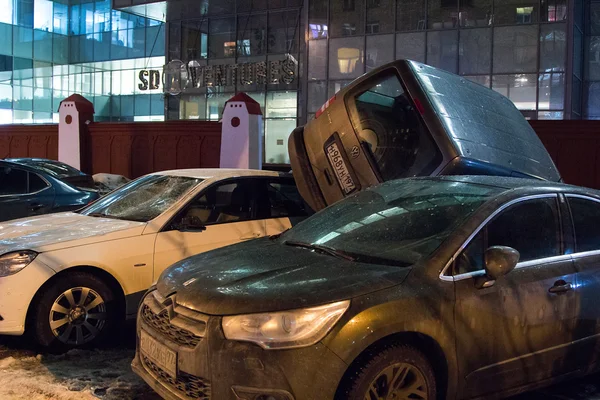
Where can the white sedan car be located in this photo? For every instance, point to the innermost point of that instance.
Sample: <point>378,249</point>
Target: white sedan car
<point>67,278</point>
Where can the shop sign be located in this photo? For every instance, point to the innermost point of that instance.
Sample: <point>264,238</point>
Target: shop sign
<point>149,79</point>
<point>178,76</point>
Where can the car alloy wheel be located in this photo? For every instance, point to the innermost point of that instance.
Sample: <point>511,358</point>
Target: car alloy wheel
<point>77,316</point>
<point>400,381</point>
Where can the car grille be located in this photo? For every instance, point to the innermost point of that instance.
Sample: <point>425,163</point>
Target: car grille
<point>191,386</point>
<point>162,323</point>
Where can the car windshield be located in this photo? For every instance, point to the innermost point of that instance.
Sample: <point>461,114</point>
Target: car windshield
<point>398,142</point>
<point>397,223</point>
<point>142,199</point>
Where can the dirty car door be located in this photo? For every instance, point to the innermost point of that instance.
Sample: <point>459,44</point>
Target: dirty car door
<point>518,331</point>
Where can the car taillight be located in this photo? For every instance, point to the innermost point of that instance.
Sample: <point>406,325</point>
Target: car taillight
<point>324,107</point>
<point>419,106</point>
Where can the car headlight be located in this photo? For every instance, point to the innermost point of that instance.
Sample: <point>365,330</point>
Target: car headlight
<point>286,329</point>
<point>11,263</point>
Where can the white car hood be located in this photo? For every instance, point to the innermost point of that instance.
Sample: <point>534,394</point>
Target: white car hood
<point>54,231</point>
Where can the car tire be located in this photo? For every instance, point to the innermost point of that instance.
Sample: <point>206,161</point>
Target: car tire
<point>408,367</point>
<point>63,319</point>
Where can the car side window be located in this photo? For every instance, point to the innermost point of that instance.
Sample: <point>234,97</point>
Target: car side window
<point>285,200</point>
<point>12,181</point>
<point>586,221</point>
<point>36,183</point>
<point>229,202</point>
<point>531,227</point>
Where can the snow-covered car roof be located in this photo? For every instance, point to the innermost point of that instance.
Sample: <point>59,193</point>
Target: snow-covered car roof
<point>216,173</point>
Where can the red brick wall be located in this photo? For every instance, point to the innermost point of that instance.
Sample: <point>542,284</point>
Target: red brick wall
<point>575,148</point>
<point>129,149</point>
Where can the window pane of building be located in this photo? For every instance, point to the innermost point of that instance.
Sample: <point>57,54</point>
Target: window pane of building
<point>60,49</point>
<point>442,14</point>
<point>317,20</point>
<point>277,132</point>
<point>550,115</point>
<point>410,15</point>
<point>42,17</point>
<point>515,11</point>
<point>253,5</point>
<point>335,86</point>
<point>380,50</point>
<point>221,40</point>
<point>6,16</point>
<point>317,59</point>
<point>475,13</point>
<point>23,13</point>
<point>252,36</point>
<point>282,104</point>
<point>192,33</point>
<point>218,7</point>
<point>22,97</point>
<point>410,46</point>
<point>553,47</point>
<point>346,58</point>
<point>483,80</point>
<point>42,45</point>
<point>174,41</point>
<point>520,88</point>
<point>23,42</point>
<point>515,49</point>
<point>475,51</point>
<point>6,44</point>
<point>283,32</point>
<point>554,10</point>
<point>552,91</point>
<point>347,18</point>
<point>592,100</point>
<point>593,64</point>
<point>380,16</point>
<point>442,50</point>
<point>317,95</point>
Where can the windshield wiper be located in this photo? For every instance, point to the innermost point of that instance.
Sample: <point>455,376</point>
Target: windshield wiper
<point>322,249</point>
<point>278,235</point>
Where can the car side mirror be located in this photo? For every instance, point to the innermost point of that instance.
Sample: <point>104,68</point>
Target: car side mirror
<point>499,261</point>
<point>191,224</point>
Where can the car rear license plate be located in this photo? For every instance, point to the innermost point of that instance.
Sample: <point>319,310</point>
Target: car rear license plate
<point>340,168</point>
<point>159,354</point>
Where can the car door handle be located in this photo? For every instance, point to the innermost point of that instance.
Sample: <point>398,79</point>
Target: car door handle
<point>251,236</point>
<point>560,287</point>
<point>37,206</point>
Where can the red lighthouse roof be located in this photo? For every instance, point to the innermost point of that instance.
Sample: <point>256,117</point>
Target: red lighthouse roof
<point>252,105</point>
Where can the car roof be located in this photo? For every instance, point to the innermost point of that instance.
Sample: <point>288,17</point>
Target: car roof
<point>218,173</point>
<point>520,185</point>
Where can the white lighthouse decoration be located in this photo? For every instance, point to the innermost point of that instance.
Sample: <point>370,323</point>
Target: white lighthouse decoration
<point>241,139</point>
<point>75,113</point>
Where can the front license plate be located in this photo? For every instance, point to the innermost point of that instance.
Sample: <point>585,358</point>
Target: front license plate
<point>159,354</point>
<point>339,167</point>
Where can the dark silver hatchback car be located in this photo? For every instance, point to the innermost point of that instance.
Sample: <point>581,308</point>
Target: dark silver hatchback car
<point>448,288</point>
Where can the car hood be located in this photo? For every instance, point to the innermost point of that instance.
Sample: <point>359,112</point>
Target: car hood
<point>265,275</point>
<point>55,231</point>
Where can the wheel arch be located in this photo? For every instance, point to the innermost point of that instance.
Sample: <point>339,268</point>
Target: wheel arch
<point>430,348</point>
<point>105,276</point>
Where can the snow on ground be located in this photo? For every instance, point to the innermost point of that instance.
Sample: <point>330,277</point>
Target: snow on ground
<point>26,374</point>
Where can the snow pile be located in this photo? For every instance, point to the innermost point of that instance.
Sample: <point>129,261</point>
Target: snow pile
<point>75,375</point>
<point>108,182</point>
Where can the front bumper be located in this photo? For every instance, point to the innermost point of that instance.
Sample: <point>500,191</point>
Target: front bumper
<point>17,292</point>
<point>216,368</point>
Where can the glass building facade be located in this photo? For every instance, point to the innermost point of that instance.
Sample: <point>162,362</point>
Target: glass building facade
<point>52,49</point>
<point>289,55</point>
